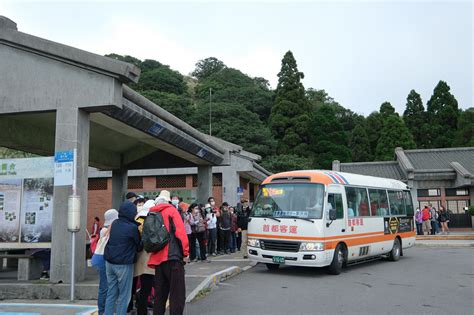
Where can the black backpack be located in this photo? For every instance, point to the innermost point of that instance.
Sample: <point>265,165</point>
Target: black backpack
<point>155,236</point>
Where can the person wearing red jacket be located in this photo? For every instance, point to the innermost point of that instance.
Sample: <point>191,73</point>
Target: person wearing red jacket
<point>169,262</point>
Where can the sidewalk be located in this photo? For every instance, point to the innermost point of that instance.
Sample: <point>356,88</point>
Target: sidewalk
<point>201,277</point>
<point>456,238</point>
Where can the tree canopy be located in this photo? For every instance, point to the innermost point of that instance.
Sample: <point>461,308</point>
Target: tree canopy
<point>296,128</point>
<point>290,113</point>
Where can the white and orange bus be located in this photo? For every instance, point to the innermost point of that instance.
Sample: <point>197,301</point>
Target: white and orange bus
<point>324,218</point>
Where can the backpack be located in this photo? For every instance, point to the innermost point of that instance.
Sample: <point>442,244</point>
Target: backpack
<point>426,214</point>
<point>155,236</point>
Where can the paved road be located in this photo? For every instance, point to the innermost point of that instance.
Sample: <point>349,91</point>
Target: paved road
<point>424,281</point>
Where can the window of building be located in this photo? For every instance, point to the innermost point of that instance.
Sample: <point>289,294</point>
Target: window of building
<point>97,184</point>
<point>357,202</point>
<point>433,192</point>
<point>451,192</point>
<point>216,180</point>
<point>457,206</point>
<point>171,181</point>
<point>434,203</point>
<point>397,205</point>
<point>135,183</point>
<point>378,202</point>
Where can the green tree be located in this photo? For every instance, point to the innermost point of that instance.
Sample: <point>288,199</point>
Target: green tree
<point>231,85</point>
<point>394,134</point>
<point>374,126</point>
<point>465,133</point>
<point>126,58</point>
<point>207,67</point>
<point>234,123</point>
<point>162,79</point>
<point>443,116</point>
<point>328,140</point>
<point>346,117</point>
<point>386,110</point>
<point>359,144</point>
<point>414,117</point>
<point>290,112</point>
<point>286,162</point>
<point>178,105</point>
<point>6,153</point>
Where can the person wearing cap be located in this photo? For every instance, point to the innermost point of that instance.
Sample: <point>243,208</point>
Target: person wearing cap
<point>109,216</point>
<point>120,255</point>
<point>131,196</point>
<point>168,262</point>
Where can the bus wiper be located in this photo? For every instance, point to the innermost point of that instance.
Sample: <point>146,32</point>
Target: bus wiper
<point>272,218</point>
<point>295,217</point>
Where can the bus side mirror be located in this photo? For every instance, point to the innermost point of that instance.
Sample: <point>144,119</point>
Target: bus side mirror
<point>332,214</point>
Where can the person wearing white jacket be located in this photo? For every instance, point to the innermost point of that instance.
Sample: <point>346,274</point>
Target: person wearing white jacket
<point>211,220</point>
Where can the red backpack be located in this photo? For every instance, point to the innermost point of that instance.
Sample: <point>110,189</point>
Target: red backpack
<point>426,214</point>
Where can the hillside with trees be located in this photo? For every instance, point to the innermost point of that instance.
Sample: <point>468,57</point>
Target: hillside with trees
<point>293,127</point>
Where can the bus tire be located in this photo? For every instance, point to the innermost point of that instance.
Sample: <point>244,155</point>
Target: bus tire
<point>272,266</point>
<point>394,254</point>
<point>338,259</point>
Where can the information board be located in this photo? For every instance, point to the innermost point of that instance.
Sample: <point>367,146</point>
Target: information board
<point>26,202</point>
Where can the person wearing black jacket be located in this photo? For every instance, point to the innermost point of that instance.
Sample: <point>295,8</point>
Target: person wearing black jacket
<point>120,254</point>
<point>242,224</point>
<point>224,223</point>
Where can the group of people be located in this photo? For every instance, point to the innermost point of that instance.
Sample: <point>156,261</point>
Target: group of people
<point>128,271</point>
<point>216,230</point>
<point>429,220</point>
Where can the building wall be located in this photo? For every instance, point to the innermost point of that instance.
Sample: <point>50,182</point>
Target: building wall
<point>100,193</point>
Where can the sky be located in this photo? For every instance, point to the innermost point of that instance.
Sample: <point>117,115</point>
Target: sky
<point>361,52</point>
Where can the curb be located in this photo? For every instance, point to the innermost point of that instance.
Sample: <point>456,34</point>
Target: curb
<point>213,280</point>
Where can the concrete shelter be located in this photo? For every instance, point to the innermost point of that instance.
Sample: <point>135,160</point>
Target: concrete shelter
<point>55,97</point>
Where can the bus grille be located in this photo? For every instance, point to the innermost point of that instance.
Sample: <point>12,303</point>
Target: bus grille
<point>280,246</point>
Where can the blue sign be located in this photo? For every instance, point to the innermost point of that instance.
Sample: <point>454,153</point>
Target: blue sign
<point>63,168</point>
<point>64,156</point>
<point>201,152</point>
<point>155,129</point>
<point>240,191</point>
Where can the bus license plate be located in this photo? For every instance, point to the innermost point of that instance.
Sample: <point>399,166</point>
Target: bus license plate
<point>278,259</point>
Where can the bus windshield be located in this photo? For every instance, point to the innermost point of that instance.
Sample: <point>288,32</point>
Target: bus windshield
<point>289,200</point>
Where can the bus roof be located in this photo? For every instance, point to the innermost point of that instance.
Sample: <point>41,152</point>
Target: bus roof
<point>331,177</point>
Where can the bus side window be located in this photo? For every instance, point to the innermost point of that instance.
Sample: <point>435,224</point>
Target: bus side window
<point>335,202</point>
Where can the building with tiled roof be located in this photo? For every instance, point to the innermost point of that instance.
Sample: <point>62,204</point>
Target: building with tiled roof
<point>437,176</point>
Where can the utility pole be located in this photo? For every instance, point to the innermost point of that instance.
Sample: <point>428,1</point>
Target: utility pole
<point>210,111</point>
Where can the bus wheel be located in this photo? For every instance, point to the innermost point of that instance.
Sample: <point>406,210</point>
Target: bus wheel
<point>337,261</point>
<point>272,266</point>
<point>394,255</point>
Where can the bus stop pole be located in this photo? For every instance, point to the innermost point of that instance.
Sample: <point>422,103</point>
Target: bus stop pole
<point>74,211</point>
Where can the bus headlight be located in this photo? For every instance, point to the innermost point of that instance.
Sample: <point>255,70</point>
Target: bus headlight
<point>311,246</point>
<point>253,242</point>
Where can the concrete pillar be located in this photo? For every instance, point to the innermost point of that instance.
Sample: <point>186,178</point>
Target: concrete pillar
<point>119,187</point>
<point>72,132</point>
<point>204,178</point>
<point>230,182</point>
